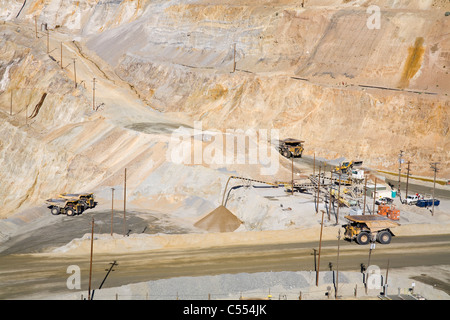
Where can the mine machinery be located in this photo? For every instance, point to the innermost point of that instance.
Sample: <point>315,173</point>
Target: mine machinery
<point>291,148</point>
<point>348,173</point>
<point>70,206</point>
<point>368,228</point>
<point>346,167</point>
<point>85,199</point>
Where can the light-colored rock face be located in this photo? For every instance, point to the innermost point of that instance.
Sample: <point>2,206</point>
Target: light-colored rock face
<point>318,72</point>
<point>309,72</point>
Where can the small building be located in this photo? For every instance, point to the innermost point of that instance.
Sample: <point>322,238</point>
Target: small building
<point>380,188</point>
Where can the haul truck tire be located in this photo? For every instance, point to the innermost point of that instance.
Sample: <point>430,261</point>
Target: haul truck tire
<point>384,237</point>
<point>70,212</point>
<point>363,238</point>
<point>55,211</point>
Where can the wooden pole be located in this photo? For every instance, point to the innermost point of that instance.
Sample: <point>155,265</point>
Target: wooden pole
<point>374,196</point>
<point>368,263</point>
<point>11,103</point>
<point>234,59</point>
<point>337,267</point>
<point>93,94</point>
<point>90,264</point>
<point>365,191</point>
<point>61,57</point>
<point>320,247</point>
<point>318,192</point>
<point>112,209</point>
<point>314,164</point>
<point>338,198</point>
<point>35,27</point>
<point>407,181</point>
<point>399,170</point>
<point>48,43</point>
<point>292,173</point>
<point>124,202</point>
<point>315,259</point>
<point>107,274</point>
<point>386,281</point>
<point>74,72</point>
<point>434,167</point>
<point>331,184</point>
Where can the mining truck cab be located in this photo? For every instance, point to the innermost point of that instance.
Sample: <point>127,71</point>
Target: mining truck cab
<point>291,148</point>
<point>85,199</point>
<point>369,228</point>
<point>69,206</point>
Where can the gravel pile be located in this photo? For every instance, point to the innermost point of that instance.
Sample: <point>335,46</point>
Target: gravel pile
<point>224,286</point>
<point>280,285</point>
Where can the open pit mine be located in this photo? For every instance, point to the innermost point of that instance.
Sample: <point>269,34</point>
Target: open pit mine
<point>235,149</point>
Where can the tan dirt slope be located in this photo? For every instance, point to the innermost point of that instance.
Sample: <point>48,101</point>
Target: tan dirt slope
<point>314,72</point>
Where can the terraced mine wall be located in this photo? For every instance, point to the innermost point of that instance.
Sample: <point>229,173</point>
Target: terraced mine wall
<point>314,72</point>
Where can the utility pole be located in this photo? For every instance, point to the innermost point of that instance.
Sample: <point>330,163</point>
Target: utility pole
<point>407,181</point>
<point>125,203</point>
<point>318,192</point>
<point>112,209</point>
<point>11,103</point>
<point>90,264</point>
<point>320,247</point>
<point>386,280</point>
<point>292,172</point>
<point>315,259</point>
<point>338,198</point>
<point>314,164</point>
<point>61,57</point>
<point>48,42</point>
<point>93,94</point>
<point>35,27</point>
<point>329,196</point>
<point>372,246</point>
<point>365,192</point>
<point>337,267</point>
<point>234,58</point>
<point>74,72</point>
<point>109,271</point>
<point>400,161</point>
<point>374,196</point>
<point>434,167</point>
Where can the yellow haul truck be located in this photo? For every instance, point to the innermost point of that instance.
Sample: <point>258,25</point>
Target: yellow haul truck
<point>291,148</point>
<point>367,228</point>
<point>69,207</point>
<point>86,199</point>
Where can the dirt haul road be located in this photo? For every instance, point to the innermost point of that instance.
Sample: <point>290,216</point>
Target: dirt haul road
<point>25,276</point>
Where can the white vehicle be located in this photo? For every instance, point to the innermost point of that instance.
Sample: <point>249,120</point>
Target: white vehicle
<point>411,199</point>
<point>358,175</point>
